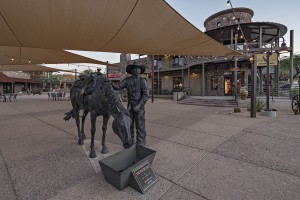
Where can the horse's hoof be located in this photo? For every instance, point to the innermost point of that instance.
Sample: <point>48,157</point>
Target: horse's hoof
<point>80,142</point>
<point>83,136</point>
<point>93,154</point>
<point>104,151</point>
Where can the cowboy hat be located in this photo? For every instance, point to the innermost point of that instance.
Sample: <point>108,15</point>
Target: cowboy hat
<point>130,67</point>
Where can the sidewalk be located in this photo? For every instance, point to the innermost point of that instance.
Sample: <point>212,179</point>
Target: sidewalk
<point>202,153</point>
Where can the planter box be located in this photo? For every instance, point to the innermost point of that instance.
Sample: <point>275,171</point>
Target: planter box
<point>117,168</point>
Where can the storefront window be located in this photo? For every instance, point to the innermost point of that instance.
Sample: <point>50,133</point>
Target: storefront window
<point>214,83</point>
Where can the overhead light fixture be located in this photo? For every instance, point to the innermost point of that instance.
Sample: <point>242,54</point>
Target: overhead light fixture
<point>12,59</point>
<point>29,61</point>
<point>228,2</point>
<point>283,48</point>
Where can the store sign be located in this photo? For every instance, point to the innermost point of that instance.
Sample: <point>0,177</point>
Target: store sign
<point>262,59</point>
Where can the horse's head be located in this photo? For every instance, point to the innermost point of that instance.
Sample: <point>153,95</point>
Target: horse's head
<point>121,127</point>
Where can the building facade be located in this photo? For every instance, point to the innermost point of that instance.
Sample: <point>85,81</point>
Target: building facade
<point>214,76</point>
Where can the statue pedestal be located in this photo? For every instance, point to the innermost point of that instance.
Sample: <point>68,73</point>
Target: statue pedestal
<point>118,167</point>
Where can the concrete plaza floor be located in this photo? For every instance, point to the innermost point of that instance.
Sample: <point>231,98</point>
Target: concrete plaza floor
<point>202,153</point>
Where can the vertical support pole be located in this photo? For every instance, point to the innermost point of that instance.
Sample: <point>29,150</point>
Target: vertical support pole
<point>253,87</point>
<point>75,74</point>
<point>235,69</point>
<point>260,37</point>
<point>189,81</point>
<point>107,69</point>
<point>291,55</point>
<point>231,39</point>
<point>203,80</point>
<point>182,77</point>
<point>152,77</point>
<point>157,75</point>
<point>269,53</point>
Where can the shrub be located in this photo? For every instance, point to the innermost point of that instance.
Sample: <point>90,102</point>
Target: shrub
<point>237,109</point>
<point>260,104</point>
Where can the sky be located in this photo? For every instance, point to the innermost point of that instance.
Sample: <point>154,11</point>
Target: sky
<point>197,11</point>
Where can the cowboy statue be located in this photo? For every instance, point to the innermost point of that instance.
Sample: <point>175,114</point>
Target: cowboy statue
<point>138,95</point>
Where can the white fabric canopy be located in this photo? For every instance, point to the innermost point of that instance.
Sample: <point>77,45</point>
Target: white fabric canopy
<point>127,26</point>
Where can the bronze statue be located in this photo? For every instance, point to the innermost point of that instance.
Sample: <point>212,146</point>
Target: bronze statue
<point>95,94</point>
<point>137,96</point>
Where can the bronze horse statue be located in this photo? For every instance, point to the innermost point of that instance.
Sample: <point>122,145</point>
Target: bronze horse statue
<point>101,100</point>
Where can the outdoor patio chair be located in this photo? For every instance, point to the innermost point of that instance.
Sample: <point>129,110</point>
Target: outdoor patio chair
<point>53,96</point>
<point>2,97</point>
<point>13,97</point>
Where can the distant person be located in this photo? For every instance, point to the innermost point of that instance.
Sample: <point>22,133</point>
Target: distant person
<point>138,95</point>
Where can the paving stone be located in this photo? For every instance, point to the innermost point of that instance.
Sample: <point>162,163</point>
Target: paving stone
<point>176,121</point>
<point>160,130</point>
<point>220,178</point>
<point>177,192</point>
<point>43,175</point>
<point>217,129</point>
<point>282,155</point>
<point>6,188</point>
<point>97,188</point>
<point>197,139</point>
<point>233,120</point>
<point>172,160</point>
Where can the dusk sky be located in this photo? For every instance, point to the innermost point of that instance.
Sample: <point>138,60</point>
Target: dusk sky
<point>196,11</point>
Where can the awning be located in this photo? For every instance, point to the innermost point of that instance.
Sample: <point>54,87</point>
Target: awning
<point>5,79</point>
<point>27,56</point>
<point>30,68</point>
<point>22,80</point>
<point>127,26</point>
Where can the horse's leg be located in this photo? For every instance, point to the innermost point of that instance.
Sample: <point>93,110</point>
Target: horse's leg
<point>76,116</point>
<point>104,128</point>
<point>93,130</point>
<point>85,112</point>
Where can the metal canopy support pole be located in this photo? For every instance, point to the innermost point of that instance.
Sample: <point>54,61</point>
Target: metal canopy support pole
<point>189,81</point>
<point>235,69</point>
<point>253,86</point>
<point>260,37</point>
<point>269,53</point>
<point>203,80</point>
<point>152,85</point>
<point>157,75</point>
<point>231,39</point>
<point>182,78</point>
<point>107,69</point>
<point>291,55</point>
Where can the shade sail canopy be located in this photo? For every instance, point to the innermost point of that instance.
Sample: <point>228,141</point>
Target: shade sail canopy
<point>31,68</point>
<point>27,56</point>
<point>127,26</point>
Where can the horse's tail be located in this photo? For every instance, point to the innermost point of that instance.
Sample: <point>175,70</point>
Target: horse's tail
<point>69,115</point>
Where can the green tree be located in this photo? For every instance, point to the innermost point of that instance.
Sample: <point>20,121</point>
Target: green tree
<point>87,71</point>
<point>50,78</point>
<point>285,64</point>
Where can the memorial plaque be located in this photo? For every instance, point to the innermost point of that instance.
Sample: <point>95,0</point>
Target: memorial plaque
<point>143,178</point>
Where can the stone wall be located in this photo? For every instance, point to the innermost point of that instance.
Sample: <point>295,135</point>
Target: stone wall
<point>227,20</point>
